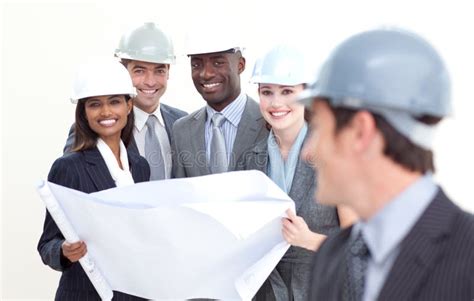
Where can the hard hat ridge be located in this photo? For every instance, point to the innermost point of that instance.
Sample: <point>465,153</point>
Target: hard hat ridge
<point>98,77</point>
<point>283,65</point>
<point>389,71</point>
<point>146,43</point>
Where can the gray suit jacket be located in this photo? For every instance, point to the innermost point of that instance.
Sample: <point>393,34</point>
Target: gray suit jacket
<point>290,279</point>
<point>436,259</point>
<point>189,144</point>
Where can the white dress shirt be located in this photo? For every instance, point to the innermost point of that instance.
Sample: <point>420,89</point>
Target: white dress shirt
<point>232,113</point>
<point>139,133</point>
<point>384,232</point>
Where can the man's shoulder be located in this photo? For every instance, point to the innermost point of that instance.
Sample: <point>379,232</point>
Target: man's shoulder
<point>443,207</point>
<point>175,112</point>
<point>185,120</point>
<point>465,226</point>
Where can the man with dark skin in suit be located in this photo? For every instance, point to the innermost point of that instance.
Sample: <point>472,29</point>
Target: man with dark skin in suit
<point>216,76</point>
<point>215,70</point>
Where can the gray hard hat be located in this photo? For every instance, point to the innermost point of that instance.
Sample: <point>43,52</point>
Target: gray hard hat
<point>282,65</point>
<point>388,71</point>
<point>146,43</point>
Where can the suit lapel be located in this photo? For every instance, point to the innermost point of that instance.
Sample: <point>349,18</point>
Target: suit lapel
<point>97,170</point>
<point>133,162</point>
<point>302,181</point>
<point>132,146</point>
<point>259,157</point>
<point>198,145</point>
<point>420,250</point>
<point>248,130</point>
<point>168,120</point>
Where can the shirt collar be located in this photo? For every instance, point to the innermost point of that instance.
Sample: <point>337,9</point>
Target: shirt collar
<point>233,112</point>
<point>385,231</point>
<point>141,117</point>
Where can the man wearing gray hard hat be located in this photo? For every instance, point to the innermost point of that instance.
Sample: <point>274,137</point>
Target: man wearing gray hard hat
<point>211,139</point>
<point>147,53</point>
<point>376,106</point>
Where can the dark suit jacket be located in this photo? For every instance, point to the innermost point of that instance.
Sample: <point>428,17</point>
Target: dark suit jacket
<point>84,171</point>
<point>189,143</point>
<point>170,115</point>
<point>436,260</point>
<point>295,267</point>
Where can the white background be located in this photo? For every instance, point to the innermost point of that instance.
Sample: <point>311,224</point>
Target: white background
<point>43,41</point>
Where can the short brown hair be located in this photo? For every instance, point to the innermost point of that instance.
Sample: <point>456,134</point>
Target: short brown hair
<point>125,62</point>
<point>397,147</point>
<point>86,138</point>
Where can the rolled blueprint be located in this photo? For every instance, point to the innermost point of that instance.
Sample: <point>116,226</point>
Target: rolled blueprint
<point>95,276</point>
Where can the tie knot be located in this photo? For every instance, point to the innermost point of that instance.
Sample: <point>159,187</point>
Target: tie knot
<point>217,119</point>
<point>150,122</point>
<point>358,246</point>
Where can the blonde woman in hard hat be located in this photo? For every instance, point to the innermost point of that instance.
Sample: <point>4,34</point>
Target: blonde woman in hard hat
<point>104,125</point>
<point>281,76</point>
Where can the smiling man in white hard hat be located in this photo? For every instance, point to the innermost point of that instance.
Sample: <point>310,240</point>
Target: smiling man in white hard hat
<point>211,139</point>
<point>147,53</point>
<point>375,108</point>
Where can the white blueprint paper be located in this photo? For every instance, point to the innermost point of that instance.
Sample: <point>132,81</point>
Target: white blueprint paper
<point>216,236</point>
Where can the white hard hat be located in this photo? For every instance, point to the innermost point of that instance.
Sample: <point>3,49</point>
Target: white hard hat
<point>105,76</point>
<point>282,65</point>
<point>200,40</point>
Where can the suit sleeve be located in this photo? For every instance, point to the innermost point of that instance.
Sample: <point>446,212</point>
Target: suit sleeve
<point>49,245</point>
<point>70,140</point>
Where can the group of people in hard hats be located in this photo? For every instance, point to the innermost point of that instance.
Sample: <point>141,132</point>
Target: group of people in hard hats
<point>353,149</point>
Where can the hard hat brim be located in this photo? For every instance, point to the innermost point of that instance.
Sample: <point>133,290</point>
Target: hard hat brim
<point>307,96</point>
<point>212,51</point>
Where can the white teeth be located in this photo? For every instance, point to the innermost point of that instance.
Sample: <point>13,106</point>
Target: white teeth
<point>148,91</point>
<point>108,122</point>
<point>278,114</point>
<point>211,85</point>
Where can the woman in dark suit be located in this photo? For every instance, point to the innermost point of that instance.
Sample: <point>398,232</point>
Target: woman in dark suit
<point>104,125</point>
<point>280,76</point>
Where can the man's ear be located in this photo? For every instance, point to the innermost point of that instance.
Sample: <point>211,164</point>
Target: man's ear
<point>364,130</point>
<point>241,64</point>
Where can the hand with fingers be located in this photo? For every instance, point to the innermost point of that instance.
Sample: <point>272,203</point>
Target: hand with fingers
<point>296,232</point>
<point>74,251</point>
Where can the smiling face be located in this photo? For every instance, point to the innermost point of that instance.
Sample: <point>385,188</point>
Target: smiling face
<point>107,115</point>
<point>150,81</point>
<point>278,107</point>
<point>216,77</point>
